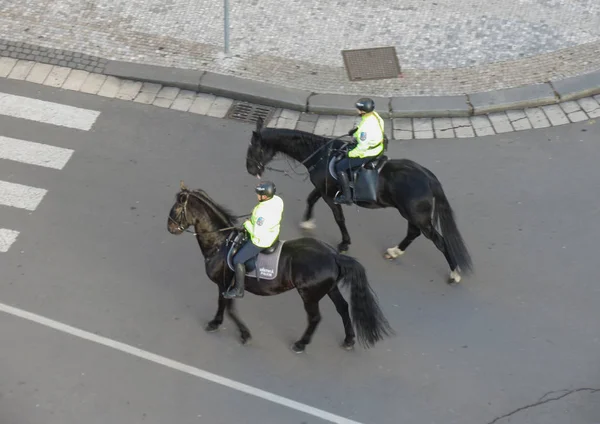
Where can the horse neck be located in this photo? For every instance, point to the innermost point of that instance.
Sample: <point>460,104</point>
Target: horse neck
<point>297,145</point>
<point>209,238</point>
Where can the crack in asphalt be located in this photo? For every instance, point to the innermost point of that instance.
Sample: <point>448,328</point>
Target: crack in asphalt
<point>541,401</point>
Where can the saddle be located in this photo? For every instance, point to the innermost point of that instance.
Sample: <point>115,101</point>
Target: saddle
<point>265,266</point>
<point>364,180</point>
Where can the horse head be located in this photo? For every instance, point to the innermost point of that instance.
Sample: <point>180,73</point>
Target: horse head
<point>258,154</point>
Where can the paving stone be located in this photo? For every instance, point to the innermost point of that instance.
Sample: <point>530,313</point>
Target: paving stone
<point>590,106</point>
<point>577,116</point>
<point>287,119</point>
<point>21,70</point>
<point>168,93</point>
<point>75,80</point>
<point>92,83</point>
<point>537,118</point>
<point>402,129</point>
<point>184,100</point>
<point>463,127</point>
<point>220,107</point>
<point>423,128</point>
<point>306,126</point>
<point>500,122</point>
<point>147,93</point>
<point>162,102</point>
<point>518,120</point>
<point>6,65</point>
<point>309,117</point>
<point>129,90</point>
<point>343,124</point>
<point>325,125</point>
<point>443,128</point>
<point>274,117</point>
<point>39,73</point>
<point>110,87</point>
<point>570,106</point>
<point>482,125</point>
<point>57,76</point>
<point>202,103</point>
<point>555,114</point>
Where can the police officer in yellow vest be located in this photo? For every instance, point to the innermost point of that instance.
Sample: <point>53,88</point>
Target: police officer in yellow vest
<point>263,228</point>
<point>369,138</point>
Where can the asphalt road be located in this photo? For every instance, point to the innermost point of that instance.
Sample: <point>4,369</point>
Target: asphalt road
<point>96,254</point>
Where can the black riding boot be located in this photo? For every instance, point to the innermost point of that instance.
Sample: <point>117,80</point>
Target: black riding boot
<point>345,197</point>
<point>238,289</point>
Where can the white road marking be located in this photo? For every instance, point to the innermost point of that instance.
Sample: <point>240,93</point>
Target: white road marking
<point>34,153</point>
<point>232,384</point>
<point>47,112</point>
<point>20,196</point>
<point>7,238</point>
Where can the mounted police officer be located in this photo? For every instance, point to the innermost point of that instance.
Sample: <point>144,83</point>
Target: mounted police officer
<point>263,228</point>
<point>369,136</point>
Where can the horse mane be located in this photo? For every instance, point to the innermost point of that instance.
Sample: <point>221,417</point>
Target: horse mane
<point>221,212</point>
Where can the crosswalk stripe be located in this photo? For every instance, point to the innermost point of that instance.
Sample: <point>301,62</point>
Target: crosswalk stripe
<point>33,153</point>
<point>20,196</point>
<point>47,112</point>
<point>7,238</point>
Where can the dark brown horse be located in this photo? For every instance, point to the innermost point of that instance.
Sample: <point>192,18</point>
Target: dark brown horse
<point>402,184</point>
<point>310,266</point>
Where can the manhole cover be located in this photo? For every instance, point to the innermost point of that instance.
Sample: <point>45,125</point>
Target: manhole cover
<point>249,112</point>
<point>371,64</point>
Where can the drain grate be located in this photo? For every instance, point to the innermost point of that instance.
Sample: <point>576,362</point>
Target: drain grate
<point>371,64</point>
<point>249,112</point>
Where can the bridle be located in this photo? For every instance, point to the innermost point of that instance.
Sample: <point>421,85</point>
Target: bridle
<point>182,215</point>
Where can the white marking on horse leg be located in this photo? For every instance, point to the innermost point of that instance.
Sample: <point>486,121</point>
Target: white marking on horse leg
<point>454,275</point>
<point>308,225</point>
<point>394,252</point>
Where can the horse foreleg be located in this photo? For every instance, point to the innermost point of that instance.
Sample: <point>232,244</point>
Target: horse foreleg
<point>338,214</point>
<point>313,197</point>
<point>245,335</point>
<point>342,307</point>
<point>411,234</point>
<point>314,317</point>
<point>218,319</point>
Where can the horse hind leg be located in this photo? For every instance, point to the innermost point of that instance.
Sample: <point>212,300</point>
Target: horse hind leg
<point>411,234</point>
<point>438,240</point>
<point>342,308</point>
<point>314,317</point>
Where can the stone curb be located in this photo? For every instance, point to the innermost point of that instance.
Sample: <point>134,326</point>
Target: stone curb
<point>552,92</point>
<point>331,122</point>
<point>466,105</point>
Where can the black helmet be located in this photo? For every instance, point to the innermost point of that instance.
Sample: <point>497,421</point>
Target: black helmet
<point>365,104</point>
<point>266,188</point>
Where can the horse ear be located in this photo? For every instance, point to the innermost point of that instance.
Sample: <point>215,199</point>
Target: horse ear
<point>182,185</point>
<point>259,123</point>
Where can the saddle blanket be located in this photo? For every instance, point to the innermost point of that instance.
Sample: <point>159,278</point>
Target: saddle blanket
<point>267,265</point>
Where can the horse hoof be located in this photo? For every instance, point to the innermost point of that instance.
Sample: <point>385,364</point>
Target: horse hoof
<point>308,225</point>
<point>393,253</point>
<point>296,348</point>
<point>343,248</point>
<point>454,278</point>
<point>211,327</point>
<point>348,345</point>
<point>245,338</point>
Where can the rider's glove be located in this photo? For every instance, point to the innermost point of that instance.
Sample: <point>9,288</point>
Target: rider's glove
<point>352,131</point>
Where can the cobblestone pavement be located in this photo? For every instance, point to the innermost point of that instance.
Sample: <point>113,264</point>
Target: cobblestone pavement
<point>329,125</point>
<point>445,47</point>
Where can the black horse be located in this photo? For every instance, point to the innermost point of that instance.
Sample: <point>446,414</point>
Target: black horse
<point>397,183</point>
<point>306,264</point>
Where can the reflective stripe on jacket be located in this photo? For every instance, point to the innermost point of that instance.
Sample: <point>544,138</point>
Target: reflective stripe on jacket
<point>265,222</point>
<point>369,137</point>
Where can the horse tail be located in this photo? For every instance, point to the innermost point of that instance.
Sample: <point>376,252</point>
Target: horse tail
<point>453,240</point>
<point>369,322</point>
